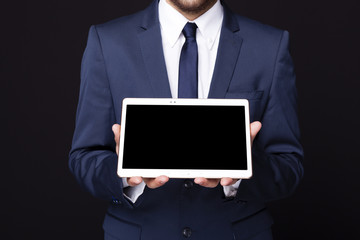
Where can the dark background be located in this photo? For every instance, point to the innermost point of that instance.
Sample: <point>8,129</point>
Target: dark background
<point>41,47</point>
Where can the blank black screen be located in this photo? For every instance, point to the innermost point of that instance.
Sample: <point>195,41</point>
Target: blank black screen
<point>185,137</point>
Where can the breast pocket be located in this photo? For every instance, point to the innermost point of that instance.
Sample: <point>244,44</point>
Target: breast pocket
<point>255,101</point>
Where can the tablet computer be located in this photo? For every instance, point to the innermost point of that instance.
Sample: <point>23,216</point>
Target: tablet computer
<point>185,138</point>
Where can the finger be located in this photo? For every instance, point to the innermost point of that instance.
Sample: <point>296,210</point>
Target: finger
<point>116,130</point>
<point>254,129</point>
<point>228,181</point>
<point>134,181</point>
<point>206,182</point>
<point>156,182</point>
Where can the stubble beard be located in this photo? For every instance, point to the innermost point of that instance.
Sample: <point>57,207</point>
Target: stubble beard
<point>193,6</point>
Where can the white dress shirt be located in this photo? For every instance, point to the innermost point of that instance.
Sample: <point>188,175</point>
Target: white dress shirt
<point>207,37</point>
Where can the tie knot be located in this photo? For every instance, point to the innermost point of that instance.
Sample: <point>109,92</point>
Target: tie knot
<point>189,30</point>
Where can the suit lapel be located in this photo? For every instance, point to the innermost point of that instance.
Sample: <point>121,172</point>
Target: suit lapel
<point>152,51</point>
<point>228,53</point>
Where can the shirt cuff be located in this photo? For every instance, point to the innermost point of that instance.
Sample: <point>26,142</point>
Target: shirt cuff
<point>124,182</point>
<point>230,191</point>
<point>133,193</point>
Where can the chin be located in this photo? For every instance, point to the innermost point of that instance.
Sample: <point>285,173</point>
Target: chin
<point>192,6</point>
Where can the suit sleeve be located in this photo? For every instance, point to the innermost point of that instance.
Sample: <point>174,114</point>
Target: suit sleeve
<point>277,152</point>
<point>93,159</point>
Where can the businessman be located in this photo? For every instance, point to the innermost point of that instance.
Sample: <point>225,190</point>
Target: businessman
<point>197,49</point>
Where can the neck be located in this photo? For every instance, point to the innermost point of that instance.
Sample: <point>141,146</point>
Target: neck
<point>192,13</point>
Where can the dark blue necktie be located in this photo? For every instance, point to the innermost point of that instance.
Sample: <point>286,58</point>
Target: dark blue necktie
<point>188,67</point>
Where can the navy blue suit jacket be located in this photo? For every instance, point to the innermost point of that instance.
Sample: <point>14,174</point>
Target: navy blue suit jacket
<point>124,58</point>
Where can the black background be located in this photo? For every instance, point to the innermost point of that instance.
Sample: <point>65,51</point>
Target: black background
<point>41,47</point>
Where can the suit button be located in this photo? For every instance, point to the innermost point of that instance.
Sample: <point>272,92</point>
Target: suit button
<point>188,183</point>
<point>116,201</point>
<point>187,232</point>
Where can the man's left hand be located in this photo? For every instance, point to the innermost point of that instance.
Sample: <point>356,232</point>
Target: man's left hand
<point>211,183</point>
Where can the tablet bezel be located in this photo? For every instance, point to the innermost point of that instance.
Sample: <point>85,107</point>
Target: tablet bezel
<point>185,173</point>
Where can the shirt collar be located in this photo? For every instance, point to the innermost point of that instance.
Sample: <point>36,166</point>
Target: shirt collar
<point>172,23</point>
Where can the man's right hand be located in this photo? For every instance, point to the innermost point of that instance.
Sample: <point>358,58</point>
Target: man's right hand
<point>134,181</point>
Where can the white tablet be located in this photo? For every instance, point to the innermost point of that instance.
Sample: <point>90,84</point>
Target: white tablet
<point>185,138</point>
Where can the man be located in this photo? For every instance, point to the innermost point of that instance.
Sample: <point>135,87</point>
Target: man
<point>140,56</point>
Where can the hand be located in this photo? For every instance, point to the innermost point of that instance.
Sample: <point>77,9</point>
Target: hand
<point>211,183</point>
<point>161,180</point>
<point>133,181</point>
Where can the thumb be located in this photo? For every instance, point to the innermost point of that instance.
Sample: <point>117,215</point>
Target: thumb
<point>254,129</point>
<point>116,130</point>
